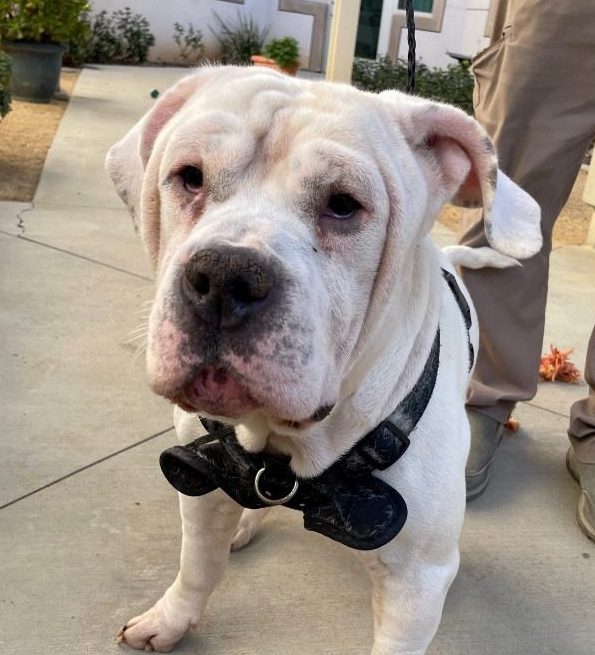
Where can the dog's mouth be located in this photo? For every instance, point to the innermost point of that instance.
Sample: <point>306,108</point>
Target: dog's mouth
<point>216,391</point>
<point>319,415</point>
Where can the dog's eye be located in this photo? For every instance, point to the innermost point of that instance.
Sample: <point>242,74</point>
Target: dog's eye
<point>192,177</point>
<point>341,205</point>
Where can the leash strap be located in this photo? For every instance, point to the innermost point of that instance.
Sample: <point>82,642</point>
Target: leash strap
<point>410,18</point>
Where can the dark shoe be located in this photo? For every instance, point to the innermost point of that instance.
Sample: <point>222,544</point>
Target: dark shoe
<point>486,435</point>
<point>584,474</point>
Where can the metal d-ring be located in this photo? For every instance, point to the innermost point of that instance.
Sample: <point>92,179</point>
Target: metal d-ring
<point>273,501</point>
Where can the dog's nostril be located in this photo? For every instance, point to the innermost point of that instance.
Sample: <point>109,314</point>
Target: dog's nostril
<point>240,292</point>
<point>248,291</point>
<point>202,284</point>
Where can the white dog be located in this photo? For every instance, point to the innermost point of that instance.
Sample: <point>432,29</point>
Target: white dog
<point>287,222</point>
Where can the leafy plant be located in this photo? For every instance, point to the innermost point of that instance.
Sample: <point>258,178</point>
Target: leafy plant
<point>42,21</point>
<point>453,84</point>
<point>241,40</point>
<point>78,46</point>
<point>5,69</point>
<point>119,38</point>
<point>285,51</point>
<point>189,42</point>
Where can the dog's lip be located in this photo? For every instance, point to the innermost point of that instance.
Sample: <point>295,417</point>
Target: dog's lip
<point>319,415</point>
<point>322,412</point>
<point>215,390</point>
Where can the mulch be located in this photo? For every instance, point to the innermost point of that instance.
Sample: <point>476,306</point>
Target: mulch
<point>26,135</point>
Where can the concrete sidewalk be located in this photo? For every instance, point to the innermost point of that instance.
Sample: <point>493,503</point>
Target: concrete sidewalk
<point>89,532</point>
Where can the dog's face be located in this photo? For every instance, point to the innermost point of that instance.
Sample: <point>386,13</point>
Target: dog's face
<point>278,214</point>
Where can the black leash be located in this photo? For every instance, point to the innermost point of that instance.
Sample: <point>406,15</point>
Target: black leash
<point>410,18</point>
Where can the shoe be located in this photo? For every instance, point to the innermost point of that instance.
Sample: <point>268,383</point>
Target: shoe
<point>584,474</point>
<point>486,435</point>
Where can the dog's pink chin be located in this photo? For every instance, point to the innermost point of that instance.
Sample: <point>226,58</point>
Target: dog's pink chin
<point>216,391</point>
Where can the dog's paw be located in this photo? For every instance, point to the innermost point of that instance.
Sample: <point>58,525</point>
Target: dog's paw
<point>247,527</point>
<point>158,629</point>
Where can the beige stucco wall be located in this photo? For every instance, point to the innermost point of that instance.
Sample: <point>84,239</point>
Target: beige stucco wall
<point>163,14</point>
<point>463,25</point>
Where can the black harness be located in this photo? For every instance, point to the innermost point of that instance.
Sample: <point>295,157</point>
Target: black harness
<point>346,502</point>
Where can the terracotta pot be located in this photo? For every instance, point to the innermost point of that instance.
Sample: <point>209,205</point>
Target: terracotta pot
<point>260,60</point>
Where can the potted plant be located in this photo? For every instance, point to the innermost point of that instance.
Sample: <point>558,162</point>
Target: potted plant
<point>240,40</point>
<point>281,54</point>
<point>35,34</point>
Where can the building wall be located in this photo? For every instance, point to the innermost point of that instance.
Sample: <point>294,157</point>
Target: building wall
<point>462,32</point>
<point>162,16</point>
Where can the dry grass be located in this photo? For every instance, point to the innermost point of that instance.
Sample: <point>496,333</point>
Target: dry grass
<point>25,137</point>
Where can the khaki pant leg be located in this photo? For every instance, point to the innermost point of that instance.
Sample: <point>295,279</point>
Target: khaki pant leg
<point>536,98</point>
<point>582,414</point>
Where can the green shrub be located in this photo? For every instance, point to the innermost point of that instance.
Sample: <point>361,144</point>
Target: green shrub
<point>119,38</point>
<point>453,84</point>
<point>4,84</point>
<point>239,41</point>
<point>189,42</point>
<point>78,47</point>
<point>41,21</point>
<point>285,51</point>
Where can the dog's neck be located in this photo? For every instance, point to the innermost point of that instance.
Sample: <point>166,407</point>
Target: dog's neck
<point>388,364</point>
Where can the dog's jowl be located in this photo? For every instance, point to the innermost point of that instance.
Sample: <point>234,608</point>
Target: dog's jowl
<point>301,303</point>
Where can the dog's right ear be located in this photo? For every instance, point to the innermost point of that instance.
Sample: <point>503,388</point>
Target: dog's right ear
<point>126,160</point>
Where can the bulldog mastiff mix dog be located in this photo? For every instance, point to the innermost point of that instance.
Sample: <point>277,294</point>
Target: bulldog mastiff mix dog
<point>299,298</point>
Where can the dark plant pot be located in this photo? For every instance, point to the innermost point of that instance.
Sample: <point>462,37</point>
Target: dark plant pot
<point>35,69</point>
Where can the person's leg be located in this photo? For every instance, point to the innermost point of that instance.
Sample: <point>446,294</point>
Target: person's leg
<point>581,454</point>
<point>581,430</point>
<point>541,120</point>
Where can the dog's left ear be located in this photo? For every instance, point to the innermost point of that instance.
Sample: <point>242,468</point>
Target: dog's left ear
<point>461,160</point>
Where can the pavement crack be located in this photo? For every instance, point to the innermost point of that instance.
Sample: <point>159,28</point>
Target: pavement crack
<point>21,220</point>
<point>86,467</point>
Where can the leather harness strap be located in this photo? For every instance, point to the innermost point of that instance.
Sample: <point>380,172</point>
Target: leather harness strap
<point>346,502</point>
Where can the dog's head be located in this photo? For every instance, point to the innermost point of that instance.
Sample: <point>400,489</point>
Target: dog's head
<point>278,214</point>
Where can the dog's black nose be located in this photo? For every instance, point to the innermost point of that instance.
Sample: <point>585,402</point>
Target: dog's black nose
<point>226,284</point>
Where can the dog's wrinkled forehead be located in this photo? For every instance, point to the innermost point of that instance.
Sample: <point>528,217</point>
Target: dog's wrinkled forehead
<point>258,99</point>
<point>270,114</point>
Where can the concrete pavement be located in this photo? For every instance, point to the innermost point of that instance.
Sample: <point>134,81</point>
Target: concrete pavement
<point>89,533</point>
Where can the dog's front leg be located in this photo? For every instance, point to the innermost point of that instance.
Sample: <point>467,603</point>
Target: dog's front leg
<point>407,600</point>
<point>208,525</point>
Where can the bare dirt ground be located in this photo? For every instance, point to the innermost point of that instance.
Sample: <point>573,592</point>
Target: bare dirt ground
<point>27,133</point>
<point>25,137</point>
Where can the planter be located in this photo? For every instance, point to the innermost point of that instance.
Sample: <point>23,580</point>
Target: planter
<point>35,69</point>
<point>259,60</point>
